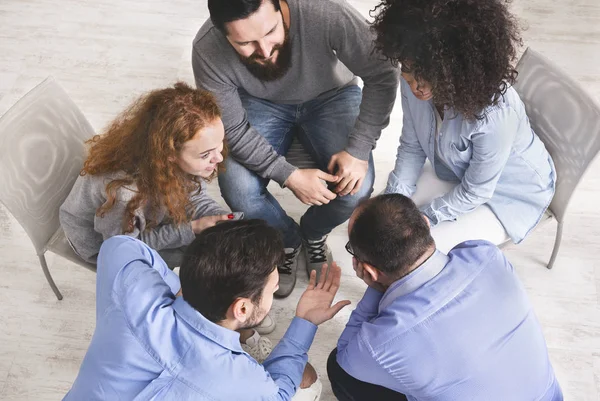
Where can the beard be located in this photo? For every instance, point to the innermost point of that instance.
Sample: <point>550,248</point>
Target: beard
<point>257,317</point>
<point>266,70</point>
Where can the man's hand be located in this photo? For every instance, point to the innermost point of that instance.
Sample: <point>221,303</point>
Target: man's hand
<point>350,170</point>
<point>315,303</point>
<point>203,223</point>
<point>364,275</point>
<point>307,186</point>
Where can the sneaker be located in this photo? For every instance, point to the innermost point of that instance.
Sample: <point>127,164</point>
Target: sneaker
<point>287,273</point>
<point>258,347</point>
<point>266,326</point>
<point>317,253</point>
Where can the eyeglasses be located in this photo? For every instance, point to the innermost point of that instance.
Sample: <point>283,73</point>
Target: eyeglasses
<point>349,249</point>
<point>351,252</point>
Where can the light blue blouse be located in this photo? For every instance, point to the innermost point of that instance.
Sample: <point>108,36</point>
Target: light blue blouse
<point>499,161</point>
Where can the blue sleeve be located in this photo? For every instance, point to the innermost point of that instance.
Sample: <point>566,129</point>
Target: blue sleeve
<point>365,311</point>
<point>355,354</point>
<point>132,271</point>
<point>288,359</point>
<point>492,145</point>
<point>410,157</point>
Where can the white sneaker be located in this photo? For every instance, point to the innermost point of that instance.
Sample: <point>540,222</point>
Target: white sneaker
<point>258,347</point>
<point>266,326</point>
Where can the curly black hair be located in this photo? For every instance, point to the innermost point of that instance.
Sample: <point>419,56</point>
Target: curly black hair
<point>464,48</point>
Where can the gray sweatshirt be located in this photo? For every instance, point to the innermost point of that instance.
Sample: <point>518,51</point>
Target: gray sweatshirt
<point>331,45</point>
<point>86,231</point>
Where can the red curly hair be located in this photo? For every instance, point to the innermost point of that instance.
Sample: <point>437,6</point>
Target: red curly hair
<point>143,141</point>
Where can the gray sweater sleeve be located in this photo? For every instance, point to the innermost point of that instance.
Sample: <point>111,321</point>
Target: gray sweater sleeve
<point>203,205</point>
<point>163,236</point>
<point>245,143</point>
<point>351,38</point>
<point>166,235</point>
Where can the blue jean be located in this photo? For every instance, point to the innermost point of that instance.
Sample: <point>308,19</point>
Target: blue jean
<point>322,126</point>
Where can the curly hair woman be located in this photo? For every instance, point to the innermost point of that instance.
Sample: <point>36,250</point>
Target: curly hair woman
<point>143,176</point>
<point>461,112</point>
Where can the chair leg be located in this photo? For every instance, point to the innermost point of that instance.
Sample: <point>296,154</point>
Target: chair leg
<point>49,277</point>
<point>559,230</point>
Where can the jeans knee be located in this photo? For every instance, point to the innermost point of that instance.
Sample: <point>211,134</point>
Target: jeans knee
<point>239,185</point>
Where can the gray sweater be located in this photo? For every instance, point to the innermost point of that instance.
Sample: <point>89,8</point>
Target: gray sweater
<point>86,231</point>
<point>331,45</point>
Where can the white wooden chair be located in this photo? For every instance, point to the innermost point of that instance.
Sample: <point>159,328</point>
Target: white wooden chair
<point>41,154</point>
<point>567,120</point>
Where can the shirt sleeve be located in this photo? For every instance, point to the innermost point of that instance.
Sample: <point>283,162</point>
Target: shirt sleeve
<point>203,205</point>
<point>164,236</point>
<point>288,359</point>
<point>349,35</point>
<point>410,157</point>
<point>246,145</point>
<point>135,275</point>
<point>492,145</point>
<point>365,310</point>
<point>354,352</point>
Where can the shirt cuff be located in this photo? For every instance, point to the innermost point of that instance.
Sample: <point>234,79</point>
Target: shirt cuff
<point>301,332</point>
<point>281,171</point>
<point>359,149</point>
<point>431,215</point>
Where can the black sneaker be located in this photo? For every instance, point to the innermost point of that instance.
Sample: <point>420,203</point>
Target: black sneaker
<point>287,273</point>
<point>317,253</point>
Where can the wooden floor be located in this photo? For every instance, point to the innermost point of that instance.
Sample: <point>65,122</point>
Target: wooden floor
<point>105,52</point>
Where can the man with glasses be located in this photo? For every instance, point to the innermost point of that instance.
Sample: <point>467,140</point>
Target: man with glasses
<point>432,326</point>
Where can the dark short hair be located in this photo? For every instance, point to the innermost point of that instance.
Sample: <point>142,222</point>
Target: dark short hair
<point>466,49</point>
<point>390,233</point>
<point>228,261</point>
<point>224,11</point>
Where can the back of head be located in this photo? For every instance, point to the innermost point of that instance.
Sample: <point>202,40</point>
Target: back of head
<point>390,233</point>
<point>224,11</point>
<point>228,261</point>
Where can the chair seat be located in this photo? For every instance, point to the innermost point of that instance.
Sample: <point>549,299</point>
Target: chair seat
<point>59,245</point>
<point>481,223</point>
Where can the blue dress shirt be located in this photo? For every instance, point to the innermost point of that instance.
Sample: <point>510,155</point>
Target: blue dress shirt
<point>459,327</point>
<point>498,160</point>
<point>151,345</point>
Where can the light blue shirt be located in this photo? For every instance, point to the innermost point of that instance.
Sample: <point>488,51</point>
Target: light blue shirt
<point>499,161</point>
<point>459,327</point>
<point>151,345</point>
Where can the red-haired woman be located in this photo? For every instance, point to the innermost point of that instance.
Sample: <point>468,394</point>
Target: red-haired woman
<point>143,178</point>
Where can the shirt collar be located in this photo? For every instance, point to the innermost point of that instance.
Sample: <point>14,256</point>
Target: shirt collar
<point>421,275</point>
<point>224,337</point>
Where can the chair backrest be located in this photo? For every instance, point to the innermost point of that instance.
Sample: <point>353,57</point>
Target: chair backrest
<point>41,153</point>
<point>566,119</point>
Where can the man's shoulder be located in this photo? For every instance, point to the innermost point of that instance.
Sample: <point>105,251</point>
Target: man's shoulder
<point>476,247</point>
<point>478,253</point>
<point>324,6</point>
<point>207,37</point>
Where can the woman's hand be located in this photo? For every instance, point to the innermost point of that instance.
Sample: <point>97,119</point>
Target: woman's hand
<point>203,223</point>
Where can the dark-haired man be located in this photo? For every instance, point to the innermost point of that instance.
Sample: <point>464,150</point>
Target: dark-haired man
<point>281,68</point>
<point>153,343</point>
<point>432,326</point>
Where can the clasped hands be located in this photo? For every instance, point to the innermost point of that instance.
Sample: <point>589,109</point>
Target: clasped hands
<point>345,174</point>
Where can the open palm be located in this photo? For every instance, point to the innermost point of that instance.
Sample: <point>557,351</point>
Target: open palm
<point>315,304</point>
